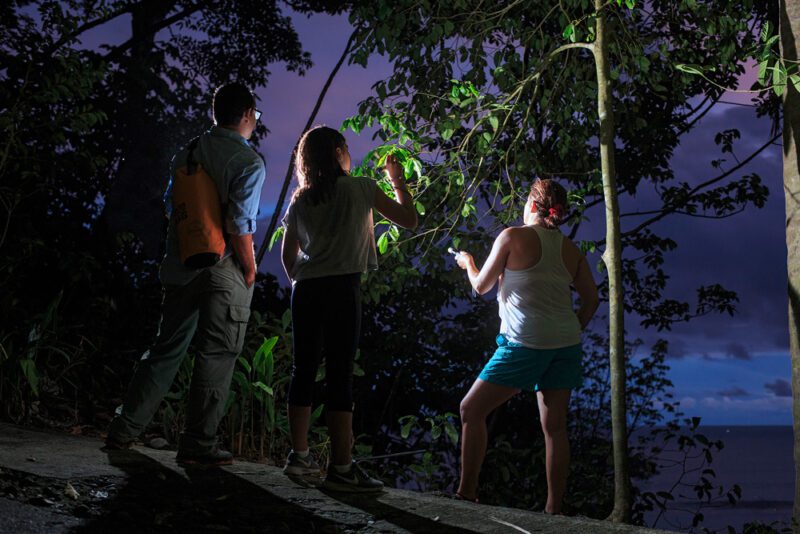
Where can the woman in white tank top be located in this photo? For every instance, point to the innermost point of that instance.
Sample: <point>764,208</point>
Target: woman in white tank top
<point>539,345</point>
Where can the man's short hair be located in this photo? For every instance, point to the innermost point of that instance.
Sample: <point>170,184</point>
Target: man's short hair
<point>230,103</point>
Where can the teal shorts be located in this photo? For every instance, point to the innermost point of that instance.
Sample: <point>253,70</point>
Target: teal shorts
<point>516,366</point>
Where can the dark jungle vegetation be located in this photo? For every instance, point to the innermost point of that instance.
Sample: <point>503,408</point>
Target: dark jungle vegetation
<point>484,97</point>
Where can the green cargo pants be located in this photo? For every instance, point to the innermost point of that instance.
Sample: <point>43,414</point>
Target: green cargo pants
<point>213,309</point>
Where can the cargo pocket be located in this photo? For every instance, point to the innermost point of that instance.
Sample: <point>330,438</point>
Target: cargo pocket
<point>238,317</point>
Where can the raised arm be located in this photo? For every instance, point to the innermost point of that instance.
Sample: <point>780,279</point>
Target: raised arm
<point>484,279</point>
<point>401,210</point>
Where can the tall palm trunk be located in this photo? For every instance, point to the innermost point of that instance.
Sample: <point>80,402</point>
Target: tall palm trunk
<point>613,260</point>
<point>789,30</point>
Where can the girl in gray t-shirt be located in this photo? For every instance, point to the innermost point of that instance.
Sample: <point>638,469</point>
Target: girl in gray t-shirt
<point>328,242</point>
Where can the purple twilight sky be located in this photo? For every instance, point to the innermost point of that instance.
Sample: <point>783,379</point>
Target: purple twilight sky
<point>729,370</point>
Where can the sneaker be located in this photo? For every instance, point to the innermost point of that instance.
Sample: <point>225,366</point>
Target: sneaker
<point>114,444</point>
<point>298,466</point>
<point>355,480</point>
<point>214,457</point>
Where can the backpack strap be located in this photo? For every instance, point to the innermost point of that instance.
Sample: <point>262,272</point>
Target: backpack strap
<point>191,163</point>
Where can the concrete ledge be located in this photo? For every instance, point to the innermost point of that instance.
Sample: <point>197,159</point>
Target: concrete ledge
<point>65,457</point>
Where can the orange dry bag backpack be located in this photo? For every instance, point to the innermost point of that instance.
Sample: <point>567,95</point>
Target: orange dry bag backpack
<point>198,214</point>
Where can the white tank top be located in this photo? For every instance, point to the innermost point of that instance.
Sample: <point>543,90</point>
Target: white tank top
<point>536,303</point>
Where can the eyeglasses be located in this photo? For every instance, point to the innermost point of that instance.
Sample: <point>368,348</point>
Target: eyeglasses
<point>258,114</point>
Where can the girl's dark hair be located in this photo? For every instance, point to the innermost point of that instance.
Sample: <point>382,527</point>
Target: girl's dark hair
<point>231,101</point>
<point>316,164</point>
<point>550,202</point>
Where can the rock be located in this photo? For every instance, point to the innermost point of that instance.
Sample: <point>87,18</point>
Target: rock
<point>71,492</point>
<point>158,443</point>
<point>98,494</point>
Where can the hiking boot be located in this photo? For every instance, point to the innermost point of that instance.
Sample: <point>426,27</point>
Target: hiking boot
<point>113,443</point>
<point>297,466</point>
<point>355,480</point>
<point>214,457</point>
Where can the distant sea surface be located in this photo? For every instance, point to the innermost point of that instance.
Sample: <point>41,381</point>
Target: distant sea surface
<point>758,459</point>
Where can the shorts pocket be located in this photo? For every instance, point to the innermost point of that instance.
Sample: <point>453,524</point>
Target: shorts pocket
<point>237,327</point>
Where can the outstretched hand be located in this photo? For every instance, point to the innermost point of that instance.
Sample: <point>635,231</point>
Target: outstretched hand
<point>464,259</point>
<point>395,171</point>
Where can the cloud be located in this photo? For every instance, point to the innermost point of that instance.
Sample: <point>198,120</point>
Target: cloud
<point>779,388</point>
<point>734,391</point>
<point>737,350</point>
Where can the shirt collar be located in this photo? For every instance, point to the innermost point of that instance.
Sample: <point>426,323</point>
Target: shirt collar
<point>219,131</point>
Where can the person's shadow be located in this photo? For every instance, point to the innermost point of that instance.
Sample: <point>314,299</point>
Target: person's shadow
<point>157,499</point>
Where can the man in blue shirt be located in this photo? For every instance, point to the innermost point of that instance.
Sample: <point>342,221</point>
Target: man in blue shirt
<point>211,305</point>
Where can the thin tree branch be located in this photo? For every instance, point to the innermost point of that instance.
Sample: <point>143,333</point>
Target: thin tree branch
<point>86,27</point>
<point>115,53</point>
<point>695,190</point>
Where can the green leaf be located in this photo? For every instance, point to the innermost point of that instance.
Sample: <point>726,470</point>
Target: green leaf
<point>770,42</point>
<point>689,69</point>
<point>447,133</point>
<point>630,3</point>
<point>766,30</point>
<point>383,243</point>
<point>795,78</point>
<point>494,122</point>
<point>405,431</point>
<point>265,388</point>
<point>241,379</point>
<point>286,318</point>
<point>452,433</point>
<point>763,67</point>
<point>779,79</point>
<point>317,413</point>
<point>244,363</point>
<point>569,31</point>
<point>420,207</point>
<point>31,374</point>
<point>263,360</point>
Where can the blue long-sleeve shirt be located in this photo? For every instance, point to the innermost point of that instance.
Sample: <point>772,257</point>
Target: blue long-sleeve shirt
<point>238,172</point>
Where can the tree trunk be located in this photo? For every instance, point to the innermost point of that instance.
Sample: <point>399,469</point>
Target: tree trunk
<point>134,203</point>
<point>789,29</point>
<point>613,260</point>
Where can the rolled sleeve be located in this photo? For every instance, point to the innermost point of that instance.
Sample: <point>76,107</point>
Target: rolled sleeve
<point>247,171</point>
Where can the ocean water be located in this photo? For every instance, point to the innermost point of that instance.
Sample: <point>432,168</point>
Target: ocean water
<point>757,458</point>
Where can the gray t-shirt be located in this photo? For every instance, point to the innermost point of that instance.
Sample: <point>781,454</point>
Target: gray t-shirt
<point>337,236</point>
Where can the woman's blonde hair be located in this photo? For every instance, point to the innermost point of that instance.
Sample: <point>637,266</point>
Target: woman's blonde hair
<point>549,201</point>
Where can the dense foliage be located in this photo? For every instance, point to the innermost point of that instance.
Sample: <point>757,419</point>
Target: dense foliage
<point>483,98</point>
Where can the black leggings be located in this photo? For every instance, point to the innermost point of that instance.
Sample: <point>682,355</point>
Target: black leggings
<point>326,320</point>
